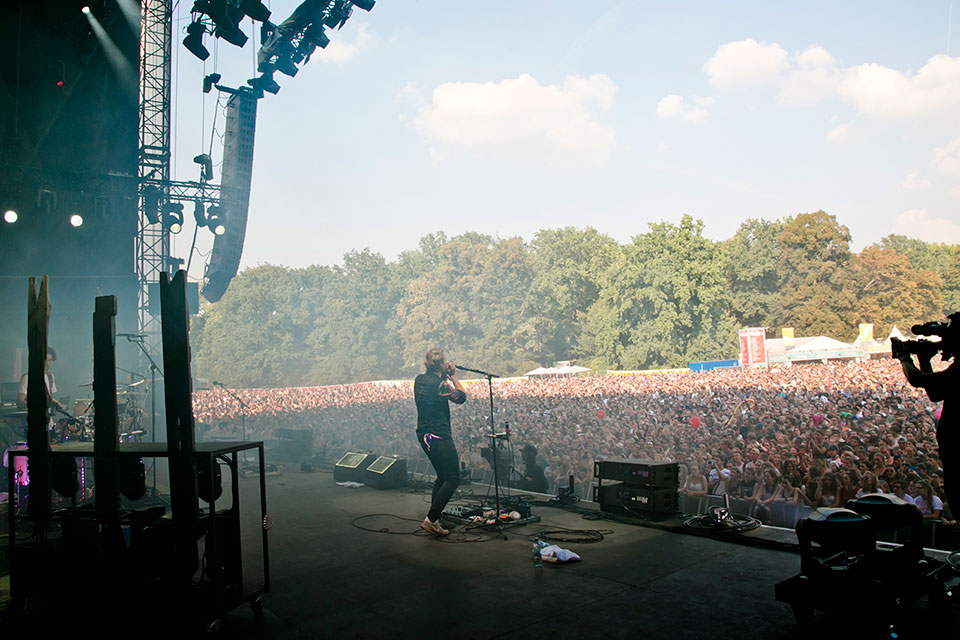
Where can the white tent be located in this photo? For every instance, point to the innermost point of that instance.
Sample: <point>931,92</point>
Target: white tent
<point>565,370</point>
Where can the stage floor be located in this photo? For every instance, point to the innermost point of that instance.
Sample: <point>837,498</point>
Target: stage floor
<point>330,579</point>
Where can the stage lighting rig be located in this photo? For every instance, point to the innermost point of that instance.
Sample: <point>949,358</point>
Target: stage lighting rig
<point>265,82</point>
<point>206,166</point>
<point>209,81</point>
<point>173,216</point>
<point>294,40</point>
<point>215,220</point>
<point>151,204</point>
<point>194,42</point>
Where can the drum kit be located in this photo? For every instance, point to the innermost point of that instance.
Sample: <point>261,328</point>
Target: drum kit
<point>78,425</point>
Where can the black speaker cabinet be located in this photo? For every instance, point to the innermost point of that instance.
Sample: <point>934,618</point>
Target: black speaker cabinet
<point>386,473</point>
<point>640,473</point>
<point>351,466</point>
<point>624,498</point>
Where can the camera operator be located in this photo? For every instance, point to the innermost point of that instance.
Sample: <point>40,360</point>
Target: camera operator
<point>941,385</point>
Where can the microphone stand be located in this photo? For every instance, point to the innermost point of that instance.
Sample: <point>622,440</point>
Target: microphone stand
<point>243,413</point>
<point>494,441</point>
<point>153,399</point>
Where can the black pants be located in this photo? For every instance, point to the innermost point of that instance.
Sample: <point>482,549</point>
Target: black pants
<point>446,462</point>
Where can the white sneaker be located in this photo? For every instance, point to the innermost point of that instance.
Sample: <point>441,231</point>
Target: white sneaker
<point>433,527</point>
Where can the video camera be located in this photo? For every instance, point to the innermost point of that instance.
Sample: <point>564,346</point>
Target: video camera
<point>948,332</point>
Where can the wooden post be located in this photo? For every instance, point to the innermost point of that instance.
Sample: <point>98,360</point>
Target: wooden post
<point>38,401</point>
<point>106,435</point>
<point>178,388</point>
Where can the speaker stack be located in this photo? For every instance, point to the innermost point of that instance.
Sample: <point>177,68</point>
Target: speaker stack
<point>636,487</point>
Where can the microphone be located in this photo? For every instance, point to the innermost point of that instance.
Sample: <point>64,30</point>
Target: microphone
<point>483,373</point>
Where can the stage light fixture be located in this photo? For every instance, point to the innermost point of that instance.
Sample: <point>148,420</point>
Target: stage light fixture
<point>173,216</point>
<point>366,5</point>
<point>215,220</point>
<point>151,204</point>
<point>10,216</point>
<point>194,42</point>
<point>206,166</point>
<point>209,81</point>
<point>286,66</point>
<point>256,10</point>
<point>338,15</point>
<point>198,214</point>
<point>76,220</point>
<point>265,82</point>
<point>315,35</point>
<point>85,10</point>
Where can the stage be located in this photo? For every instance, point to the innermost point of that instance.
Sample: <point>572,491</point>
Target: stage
<point>330,579</point>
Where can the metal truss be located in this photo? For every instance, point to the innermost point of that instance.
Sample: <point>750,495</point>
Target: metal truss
<point>153,240</point>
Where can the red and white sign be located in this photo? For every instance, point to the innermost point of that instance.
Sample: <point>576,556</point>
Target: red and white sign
<point>752,347</point>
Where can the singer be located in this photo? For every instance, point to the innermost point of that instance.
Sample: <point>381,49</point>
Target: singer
<point>433,392</point>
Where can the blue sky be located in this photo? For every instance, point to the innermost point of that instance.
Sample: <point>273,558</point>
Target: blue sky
<point>510,117</point>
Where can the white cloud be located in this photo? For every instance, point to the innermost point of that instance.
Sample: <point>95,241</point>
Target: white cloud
<point>917,223</point>
<point>813,78</point>
<point>745,64</point>
<point>933,90</point>
<point>341,51</point>
<point>815,57</point>
<point>521,118</point>
<point>674,106</point>
<point>946,160</point>
<point>916,182</point>
<point>841,134</point>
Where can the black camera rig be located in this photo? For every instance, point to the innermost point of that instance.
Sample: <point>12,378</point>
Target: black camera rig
<point>948,332</point>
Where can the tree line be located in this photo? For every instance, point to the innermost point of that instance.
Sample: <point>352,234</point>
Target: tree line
<point>668,297</point>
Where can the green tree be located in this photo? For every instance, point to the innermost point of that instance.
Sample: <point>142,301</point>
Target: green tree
<point>663,303</point>
<point>749,266</point>
<point>354,334</point>
<point>472,304</point>
<point>891,291</point>
<point>817,291</point>
<point>568,264</point>
<point>255,335</point>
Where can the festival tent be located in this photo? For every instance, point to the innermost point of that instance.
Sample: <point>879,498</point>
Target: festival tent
<point>564,370</point>
<point>824,348</point>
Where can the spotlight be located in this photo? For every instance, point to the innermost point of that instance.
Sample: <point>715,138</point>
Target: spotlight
<point>10,216</point>
<point>76,220</point>
<point>194,42</point>
<point>315,36</point>
<point>256,10</point>
<point>209,81</point>
<point>85,10</point>
<point>206,166</point>
<point>338,15</point>
<point>265,82</point>
<point>366,5</point>
<point>151,204</point>
<point>198,215</point>
<point>173,216</point>
<point>287,67</point>
<point>215,220</point>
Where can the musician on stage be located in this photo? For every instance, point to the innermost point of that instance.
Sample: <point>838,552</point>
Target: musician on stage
<point>47,379</point>
<point>433,391</point>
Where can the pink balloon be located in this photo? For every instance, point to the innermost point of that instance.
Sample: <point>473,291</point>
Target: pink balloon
<point>601,414</point>
<point>695,422</point>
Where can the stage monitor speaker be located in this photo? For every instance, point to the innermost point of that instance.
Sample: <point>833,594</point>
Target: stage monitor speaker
<point>639,473</point>
<point>351,466</point>
<point>631,500</point>
<point>386,472</point>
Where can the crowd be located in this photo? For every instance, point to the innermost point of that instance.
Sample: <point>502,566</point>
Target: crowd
<point>811,434</point>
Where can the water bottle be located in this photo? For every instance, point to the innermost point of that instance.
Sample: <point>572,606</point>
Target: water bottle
<point>537,559</point>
